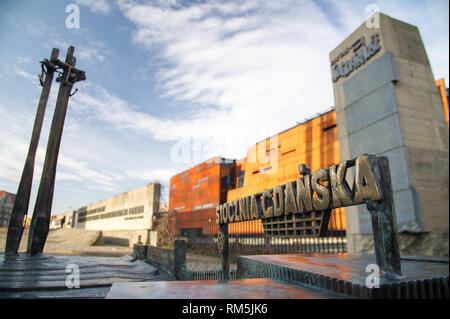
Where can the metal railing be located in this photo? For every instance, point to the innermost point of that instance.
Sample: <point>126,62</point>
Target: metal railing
<point>212,275</point>
<point>248,238</point>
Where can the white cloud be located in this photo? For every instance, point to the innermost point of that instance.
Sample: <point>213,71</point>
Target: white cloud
<point>80,171</point>
<point>31,77</point>
<point>233,72</point>
<point>160,174</point>
<point>98,6</point>
<point>245,71</point>
<point>94,51</point>
<point>14,145</point>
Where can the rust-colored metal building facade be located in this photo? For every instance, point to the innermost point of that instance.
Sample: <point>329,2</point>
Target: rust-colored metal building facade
<point>314,143</point>
<point>195,193</point>
<point>443,93</point>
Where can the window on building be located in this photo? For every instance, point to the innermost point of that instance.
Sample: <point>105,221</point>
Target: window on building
<point>262,170</point>
<point>329,127</point>
<point>226,181</point>
<point>199,181</point>
<point>202,206</point>
<point>287,152</point>
<point>241,179</point>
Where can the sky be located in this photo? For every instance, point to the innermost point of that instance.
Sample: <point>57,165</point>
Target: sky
<point>173,83</point>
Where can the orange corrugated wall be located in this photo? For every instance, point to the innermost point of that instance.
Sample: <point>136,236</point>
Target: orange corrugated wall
<point>443,94</point>
<point>314,143</point>
<point>190,189</point>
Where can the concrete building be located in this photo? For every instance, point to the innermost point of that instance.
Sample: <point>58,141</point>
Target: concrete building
<point>124,219</point>
<point>6,206</point>
<point>64,220</point>
<point>387,103</point>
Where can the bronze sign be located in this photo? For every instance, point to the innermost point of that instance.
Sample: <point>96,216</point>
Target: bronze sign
<point>307,203</point>
<point>307,194</point>
<point>361,53</point>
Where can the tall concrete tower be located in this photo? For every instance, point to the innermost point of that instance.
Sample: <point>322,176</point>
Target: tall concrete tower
<point>387,103</point>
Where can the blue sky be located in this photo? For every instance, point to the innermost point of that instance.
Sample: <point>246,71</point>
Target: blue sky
<point>167,78</point>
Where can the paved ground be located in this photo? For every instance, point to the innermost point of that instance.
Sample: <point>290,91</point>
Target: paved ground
<point>58,276</point>
<point>261,288</point>
<point>203,263</point>
<point>64,241</point>
<point>80,242</point>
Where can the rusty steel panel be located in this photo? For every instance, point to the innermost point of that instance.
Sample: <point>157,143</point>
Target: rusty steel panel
<point>314,143</point>
<point>372,186</point>
<point>444,98</point>
<point>195,193</point>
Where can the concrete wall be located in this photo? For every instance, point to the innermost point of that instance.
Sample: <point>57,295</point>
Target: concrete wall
<point>125,237</point>
<point>6,207</point>
<point>390,106</point>
<point>122,218</point>
<point>63,220</point>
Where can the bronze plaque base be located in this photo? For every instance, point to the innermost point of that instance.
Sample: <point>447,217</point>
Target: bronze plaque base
<point>262,288</point>
<point>424,277</point>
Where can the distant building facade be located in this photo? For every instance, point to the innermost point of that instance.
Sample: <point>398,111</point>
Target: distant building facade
<point>64,220</point>
<point>6,206</point>
<point>195,193</point>
<point>388,104</point>
<point>124,219</point>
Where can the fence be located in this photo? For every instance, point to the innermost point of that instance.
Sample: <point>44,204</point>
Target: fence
<point>173,262</point>
<point>248,238</point>
<point>212,275</point>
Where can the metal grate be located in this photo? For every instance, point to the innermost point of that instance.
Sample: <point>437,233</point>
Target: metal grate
<point>251,238</point>
<point>311,224</point>
<point>212,275</point>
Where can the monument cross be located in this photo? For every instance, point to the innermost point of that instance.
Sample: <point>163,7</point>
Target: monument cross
<point>40,222</point>
<point>20,208</point>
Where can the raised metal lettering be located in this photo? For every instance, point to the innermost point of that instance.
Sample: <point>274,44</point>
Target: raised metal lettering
<point>365,184</point>
<point>267,203</point>
<point>304,194</point>
<point>340,190</point>
<point>322,201</point>
<point>290,204</point>
<point>278,201</point>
